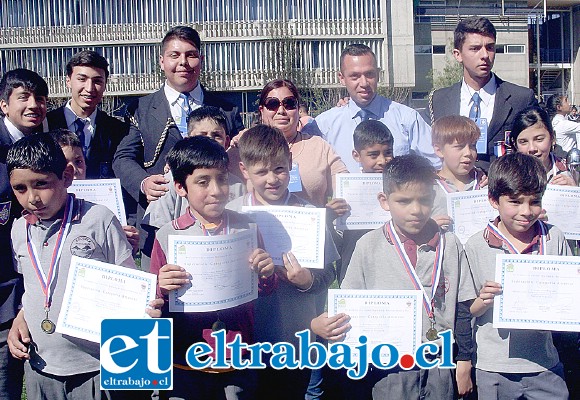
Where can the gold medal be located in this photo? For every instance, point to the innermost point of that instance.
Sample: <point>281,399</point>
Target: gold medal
<point>432,334</point>
<point>218,326</point>
<point>47,326</point>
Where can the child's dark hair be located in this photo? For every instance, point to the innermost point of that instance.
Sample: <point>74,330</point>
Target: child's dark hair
<point>195,152</point>
<point>87,58</point>
<point>410,168</point>
<point>552,104</point>
<point>454,127</point>
<point>64,138</point>
<point>39,153</point>
<point>25,78</point>
<point>208,112</point>
<point>263,144</point>
<point>529,117</point>
<point>515,174</point>
<point>369,133</point>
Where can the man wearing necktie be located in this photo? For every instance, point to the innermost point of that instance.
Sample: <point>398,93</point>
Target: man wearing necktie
<point>360,75</point>
<point>159,120</point>
<point>481,95</point>
<point>99,133</point>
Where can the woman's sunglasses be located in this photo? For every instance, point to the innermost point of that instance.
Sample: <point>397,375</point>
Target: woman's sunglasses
<point>273,104</point>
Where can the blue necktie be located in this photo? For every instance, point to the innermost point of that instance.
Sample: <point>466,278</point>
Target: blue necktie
<point>364,114</point>
<point>185,110</point>
<point>80,131</point>
<point>474,112</point>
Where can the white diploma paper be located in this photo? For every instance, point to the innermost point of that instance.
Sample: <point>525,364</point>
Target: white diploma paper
<point>562,205</point>
<point>470,212</point>
<point>360,192</point>
<point>96,290</point>
<point>221,275</point>
<point>106,192</point>
<point>539,292</point>
<point>301,230</point>
<point>383,316</point>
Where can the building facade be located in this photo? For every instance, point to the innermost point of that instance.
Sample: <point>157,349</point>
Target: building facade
<point>248,42</point>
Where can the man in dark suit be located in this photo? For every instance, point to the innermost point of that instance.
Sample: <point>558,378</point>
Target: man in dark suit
<point>23,95</point>
<point>481,95</point>
<point>99,133</point>
<point>159,120</point>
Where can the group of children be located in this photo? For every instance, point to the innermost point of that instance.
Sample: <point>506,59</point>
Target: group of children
<point>414,250</point>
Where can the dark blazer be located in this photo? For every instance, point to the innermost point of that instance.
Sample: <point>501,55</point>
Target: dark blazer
<point>11,288</point>
<point>108,134</point>
<point>509,100</point>
<point>152,134</point>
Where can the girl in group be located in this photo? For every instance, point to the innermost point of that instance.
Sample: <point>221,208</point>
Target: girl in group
<point>532,133</point>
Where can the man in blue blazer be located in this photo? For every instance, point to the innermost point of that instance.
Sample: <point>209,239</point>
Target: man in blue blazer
<point>100,134</point>
<point>497,101</point>
<point>159,120</point>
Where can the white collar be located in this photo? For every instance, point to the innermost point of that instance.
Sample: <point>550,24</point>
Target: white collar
<point>485,93</point>
<point>71,116</point>
<point>172,95</point>
<point>15,133</point>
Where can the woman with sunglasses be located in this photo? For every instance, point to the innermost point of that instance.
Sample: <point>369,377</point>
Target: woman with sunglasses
<point>317,163</point>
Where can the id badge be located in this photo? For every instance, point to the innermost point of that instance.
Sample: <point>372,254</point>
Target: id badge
<point>481,145</point>
<point>295,184</point>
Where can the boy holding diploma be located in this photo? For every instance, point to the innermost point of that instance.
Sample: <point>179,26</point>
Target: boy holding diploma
<point>373,149</point>
<point>54,227</point>
<point>454,138</point>
<point>265,163</point>
<point>409,252</point>
<point>513,363</point>
<point>200,170</point>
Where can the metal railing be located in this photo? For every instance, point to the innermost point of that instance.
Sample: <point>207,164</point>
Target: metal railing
<point>75,35</point>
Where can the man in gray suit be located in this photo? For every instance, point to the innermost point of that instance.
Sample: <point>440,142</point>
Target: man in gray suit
<point>481,95</point>
<point>159,120</point>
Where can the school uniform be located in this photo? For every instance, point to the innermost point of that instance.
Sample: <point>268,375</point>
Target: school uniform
<point>286,311</point>
<point>171,206</point>
<point>196,327</point>
<point>11,369</point>
<point>442,186</point>
<point>57,361</point>
<point>513,354</point>
<point>376,264</point>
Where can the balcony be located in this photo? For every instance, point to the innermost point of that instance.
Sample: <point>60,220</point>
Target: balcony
<point>83,35</point>
<point>555,56</point>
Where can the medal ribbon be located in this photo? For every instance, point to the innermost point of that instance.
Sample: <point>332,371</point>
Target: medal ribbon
<point>46,282</point>
<point>428,303</point>
<point>512,249</point>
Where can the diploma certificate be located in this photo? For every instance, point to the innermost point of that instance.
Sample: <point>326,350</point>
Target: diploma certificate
<point>470,212</point>
<point>383,316</point>
<point>301,230</point>
<point>539,292</point>
<point>360,192</point>
<point>221,276</point>
<point>96,290</point>
<point>562,205</point>
<point>106,192</point>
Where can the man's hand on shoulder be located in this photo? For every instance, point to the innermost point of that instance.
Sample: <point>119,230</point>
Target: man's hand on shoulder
<point>154,187</point>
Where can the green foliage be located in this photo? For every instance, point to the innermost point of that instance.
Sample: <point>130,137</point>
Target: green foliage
<point>452,72</point>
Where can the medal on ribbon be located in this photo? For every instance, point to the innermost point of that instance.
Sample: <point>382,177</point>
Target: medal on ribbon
<point>47,282</point>
<point>428,301</point>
